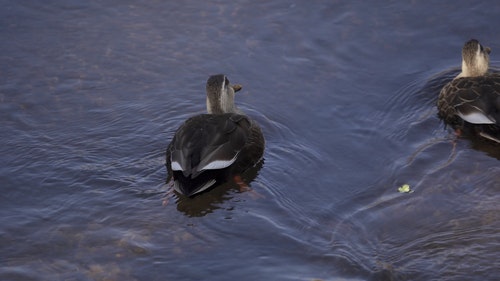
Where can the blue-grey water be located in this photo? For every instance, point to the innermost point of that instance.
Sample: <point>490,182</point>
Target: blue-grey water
<point>91,92</point>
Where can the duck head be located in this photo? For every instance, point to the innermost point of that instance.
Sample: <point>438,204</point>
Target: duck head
<point>475,59</point>
<point>220,95</point>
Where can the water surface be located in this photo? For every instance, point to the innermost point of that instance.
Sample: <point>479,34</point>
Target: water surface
<point>92,92</point>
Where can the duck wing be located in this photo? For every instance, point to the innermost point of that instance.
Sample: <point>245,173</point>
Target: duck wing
<point>474,99</point>
<point>208,142</point>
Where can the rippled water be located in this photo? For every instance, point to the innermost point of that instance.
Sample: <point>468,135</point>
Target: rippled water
<point>92,92</point>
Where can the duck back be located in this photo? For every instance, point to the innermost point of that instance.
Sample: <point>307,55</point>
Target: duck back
<point>472,104</point>
<point>207,149</point>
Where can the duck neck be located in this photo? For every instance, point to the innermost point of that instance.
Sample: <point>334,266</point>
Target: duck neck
<point>468,71</point>
<point>473,67</point>
<point>221,106</point>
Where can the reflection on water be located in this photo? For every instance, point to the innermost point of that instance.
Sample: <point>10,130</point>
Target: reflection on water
<point>91,94</point>
<point>208,202</point>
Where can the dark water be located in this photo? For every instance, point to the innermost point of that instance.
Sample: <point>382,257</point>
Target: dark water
<point>92,92</point>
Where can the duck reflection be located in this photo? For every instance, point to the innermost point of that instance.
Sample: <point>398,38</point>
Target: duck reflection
<point>213,199</point>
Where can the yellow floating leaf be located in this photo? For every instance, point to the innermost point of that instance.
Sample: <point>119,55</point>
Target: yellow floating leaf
<point>405,188</point>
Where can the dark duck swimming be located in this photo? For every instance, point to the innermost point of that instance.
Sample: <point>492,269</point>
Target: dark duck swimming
<point>209,149</point>
<point>470,103</point>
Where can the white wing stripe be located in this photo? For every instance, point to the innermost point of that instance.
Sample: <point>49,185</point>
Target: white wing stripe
<point>476,118</point>
<point>219,164</point>
<point>176,166</point>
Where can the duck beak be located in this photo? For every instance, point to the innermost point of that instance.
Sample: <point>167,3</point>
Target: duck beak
<point>487,50</point>
<point>236,87</point>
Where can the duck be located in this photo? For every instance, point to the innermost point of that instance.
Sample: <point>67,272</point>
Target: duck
<point>210,149</point>
<point>470,103</point>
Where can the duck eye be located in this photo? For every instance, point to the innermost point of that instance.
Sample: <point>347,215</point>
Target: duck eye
<point>226,82</point>
<point>482,49</point>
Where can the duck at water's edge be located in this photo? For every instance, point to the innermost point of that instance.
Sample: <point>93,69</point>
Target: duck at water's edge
<point>471,101</point>
<point>208,149</point>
